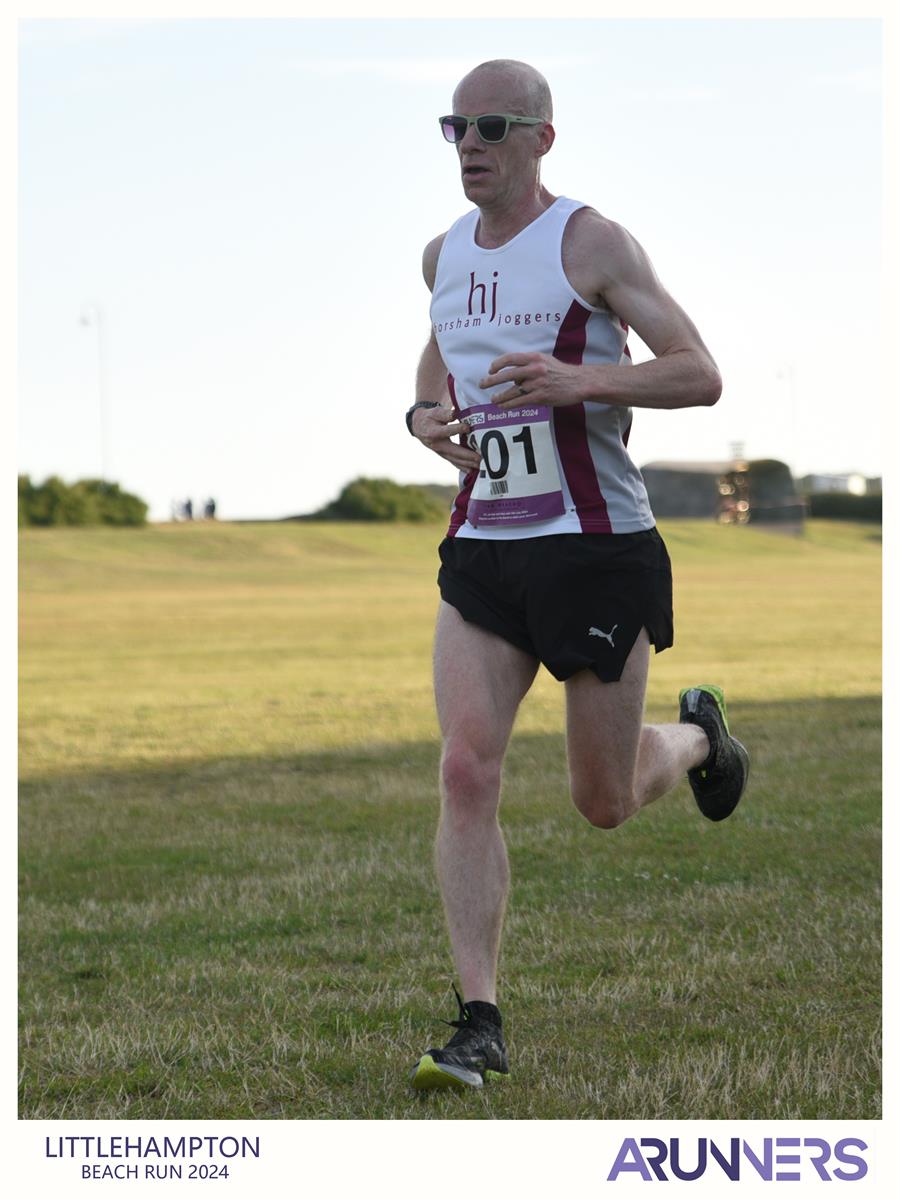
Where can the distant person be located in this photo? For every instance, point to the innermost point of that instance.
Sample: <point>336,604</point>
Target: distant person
<point>552,554</point>
<point>209,509</point>
<point>187,510</point>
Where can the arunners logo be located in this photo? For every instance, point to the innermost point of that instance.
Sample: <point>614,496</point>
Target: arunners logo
<point>646,1156</point>
<point>593,632</point>
<point>482,288</point>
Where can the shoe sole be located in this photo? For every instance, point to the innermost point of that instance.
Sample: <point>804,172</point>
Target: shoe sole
<point>429,1076</point>
<point>702,803</point>
<point>717,694</point>
<point>720,814</point>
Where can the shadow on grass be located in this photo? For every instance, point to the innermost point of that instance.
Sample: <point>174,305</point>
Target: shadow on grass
<point>263,938</point>
<point>789,722</point>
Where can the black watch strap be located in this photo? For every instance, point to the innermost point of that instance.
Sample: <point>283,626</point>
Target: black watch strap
<point>419,404</point>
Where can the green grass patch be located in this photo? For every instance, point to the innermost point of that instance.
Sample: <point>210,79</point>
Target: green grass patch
<point>228,805</point>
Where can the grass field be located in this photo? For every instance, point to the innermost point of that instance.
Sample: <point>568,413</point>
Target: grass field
<point>228,804</point>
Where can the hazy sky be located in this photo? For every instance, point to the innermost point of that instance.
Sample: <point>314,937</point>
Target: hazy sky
<point>247,200</point>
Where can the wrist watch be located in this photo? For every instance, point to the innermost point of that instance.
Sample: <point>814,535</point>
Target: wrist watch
<point>419,404</point>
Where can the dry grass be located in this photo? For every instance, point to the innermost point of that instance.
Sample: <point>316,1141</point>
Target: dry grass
<point>227,812</point>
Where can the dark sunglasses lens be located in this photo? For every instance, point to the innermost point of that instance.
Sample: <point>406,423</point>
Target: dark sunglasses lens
<point>454,128</point>
<point>492,129</point>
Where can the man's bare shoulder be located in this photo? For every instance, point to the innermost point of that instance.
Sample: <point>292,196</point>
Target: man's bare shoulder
<point>430,257</point>
<point>599,254</point>
<point>590,234</point>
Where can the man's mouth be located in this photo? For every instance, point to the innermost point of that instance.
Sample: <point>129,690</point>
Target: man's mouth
<point>474,172</point>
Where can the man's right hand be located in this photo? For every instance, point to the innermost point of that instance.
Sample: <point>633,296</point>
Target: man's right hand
<point>435,428</point>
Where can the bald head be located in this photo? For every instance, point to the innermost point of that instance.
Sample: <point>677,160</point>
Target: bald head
<point>527,89</point>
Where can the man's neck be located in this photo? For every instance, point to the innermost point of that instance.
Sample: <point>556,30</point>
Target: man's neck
<point>499,225</point>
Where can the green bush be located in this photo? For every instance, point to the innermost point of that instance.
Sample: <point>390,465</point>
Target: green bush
<point>86,502</point>
<point>844,506</point>
<point>382,500</point>
<point>111,505</point>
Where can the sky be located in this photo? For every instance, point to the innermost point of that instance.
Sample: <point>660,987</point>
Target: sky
<point>245,203</point>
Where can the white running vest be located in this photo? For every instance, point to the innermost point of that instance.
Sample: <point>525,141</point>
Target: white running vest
<point>544,470</point>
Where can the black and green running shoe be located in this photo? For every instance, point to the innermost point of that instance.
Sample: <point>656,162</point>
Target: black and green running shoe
<point>476,1051</point>
<point>719,782</point>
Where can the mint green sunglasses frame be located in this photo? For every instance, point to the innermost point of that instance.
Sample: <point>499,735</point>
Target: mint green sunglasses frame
<point>510,118</point>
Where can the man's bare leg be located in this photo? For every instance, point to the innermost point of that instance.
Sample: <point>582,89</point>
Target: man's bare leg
<point>480,680</point>
<point>616,763</point>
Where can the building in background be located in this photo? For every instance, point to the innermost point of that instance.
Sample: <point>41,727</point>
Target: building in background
<point>733,492</point>
<point>848,497</point>
<point>851,484</point>
<point>684,489</point>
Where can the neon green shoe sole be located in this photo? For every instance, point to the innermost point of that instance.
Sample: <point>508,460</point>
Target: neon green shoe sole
<point>429,1076</point>
<point>718,783</point>
<point>717,694</point>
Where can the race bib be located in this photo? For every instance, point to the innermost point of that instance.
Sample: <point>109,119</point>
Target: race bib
<point>518,480</point>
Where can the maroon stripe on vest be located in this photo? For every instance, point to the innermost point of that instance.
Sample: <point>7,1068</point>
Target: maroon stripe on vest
<point>570,427</point>
<point>461,503</point>
<point>625,349</point>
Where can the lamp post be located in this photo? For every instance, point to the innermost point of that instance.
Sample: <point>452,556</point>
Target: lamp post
<point>92,316</point>
<point>787,373</point>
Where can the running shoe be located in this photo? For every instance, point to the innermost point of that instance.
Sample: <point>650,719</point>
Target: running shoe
<point>476,1051</point>
<point>719,782</point>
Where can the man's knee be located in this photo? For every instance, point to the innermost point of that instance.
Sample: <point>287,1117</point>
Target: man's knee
<point>470,780</point>
<point>602,804</point>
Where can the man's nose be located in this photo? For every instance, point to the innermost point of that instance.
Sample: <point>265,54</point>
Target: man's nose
<point>470,139</point>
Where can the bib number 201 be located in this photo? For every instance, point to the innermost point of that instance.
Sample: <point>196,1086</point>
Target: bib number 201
<point>498,465</point>
<point>518,479</point>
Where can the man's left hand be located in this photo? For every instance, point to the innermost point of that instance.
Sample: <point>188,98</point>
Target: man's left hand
<point>536,379</point>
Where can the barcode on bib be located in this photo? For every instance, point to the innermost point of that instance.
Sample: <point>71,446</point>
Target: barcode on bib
<point>499,487</point>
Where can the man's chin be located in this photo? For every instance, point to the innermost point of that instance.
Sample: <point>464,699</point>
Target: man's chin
<point>476,187</point>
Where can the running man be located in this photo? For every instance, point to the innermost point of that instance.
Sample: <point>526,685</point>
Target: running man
<point>552,555</point>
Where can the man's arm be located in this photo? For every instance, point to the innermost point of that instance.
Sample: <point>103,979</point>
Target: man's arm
<point>435,427</point>
<point>431,377</point>
<point>605,263</point>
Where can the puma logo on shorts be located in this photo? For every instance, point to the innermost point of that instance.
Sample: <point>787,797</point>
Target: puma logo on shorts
<point>592,632</point>
<point>542,594</point>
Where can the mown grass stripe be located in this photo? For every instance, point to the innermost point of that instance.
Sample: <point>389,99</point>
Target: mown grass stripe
<point>228,806</point>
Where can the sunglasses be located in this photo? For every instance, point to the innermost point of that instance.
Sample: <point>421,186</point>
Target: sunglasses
<point>492,127</point>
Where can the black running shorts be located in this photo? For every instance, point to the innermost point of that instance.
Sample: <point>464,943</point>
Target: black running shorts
<point>573,600</point>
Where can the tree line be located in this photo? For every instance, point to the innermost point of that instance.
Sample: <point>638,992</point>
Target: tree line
<point>99,502</point>
<point>85,502</point>
<point>365,499</point>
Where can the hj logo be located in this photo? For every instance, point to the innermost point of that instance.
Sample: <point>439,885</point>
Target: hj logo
<point>476,288</point>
